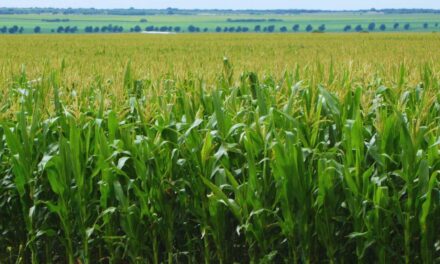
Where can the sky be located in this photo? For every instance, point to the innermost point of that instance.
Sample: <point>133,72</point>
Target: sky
<point>228,4</point>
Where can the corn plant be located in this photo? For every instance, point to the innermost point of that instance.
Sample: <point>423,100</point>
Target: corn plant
<point>246,167</point>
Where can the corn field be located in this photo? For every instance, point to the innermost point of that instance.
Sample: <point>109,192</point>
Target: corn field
<point>243,168</point>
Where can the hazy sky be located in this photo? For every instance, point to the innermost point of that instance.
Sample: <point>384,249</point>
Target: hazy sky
<point>228,4</point>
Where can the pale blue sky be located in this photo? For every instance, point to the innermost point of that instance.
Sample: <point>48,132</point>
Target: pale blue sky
<point>228,4</point>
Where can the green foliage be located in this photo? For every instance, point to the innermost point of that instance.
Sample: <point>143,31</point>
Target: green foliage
<point>252,170</point>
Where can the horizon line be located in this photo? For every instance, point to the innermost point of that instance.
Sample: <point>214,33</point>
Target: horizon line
<point>230,9</point>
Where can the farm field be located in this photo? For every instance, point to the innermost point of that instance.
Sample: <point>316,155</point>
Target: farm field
<point>333,22</point>
<point>220,148</point>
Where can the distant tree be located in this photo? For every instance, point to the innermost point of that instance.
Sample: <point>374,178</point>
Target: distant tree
<point>226,29</point>
<point>149,28</point>
<point>191,28</point>
<point>20,30</point>
<point>383,27</point>
<point>238,29</point>
<point>88,29</point>
<point>347,28</point>
<point>271,28</point>
<point>52,30</point>
<point>295,28</point>
<point>163,29</point>
<point>104,29</point>
<point>359,28</point>
<point>407,26</point>
<point>13,29</point>
<point>177,29</point>
<point>372,26</point>
<point>436,24</point>
<point>425,25</point>
<point>205,30</point>
<point>322,28</point>
<point>96,29</point>
<point>137,29</point>
<point>231,29</point>
<point>143,20</point>
<point>3,29</point>
<point>245,29</point>
<point>283,29</point>
<point>257,28</point>
<point>265,29</point>
<point>218,29</point>
<point>74,29</point>
<point>396,26</point>
<point>37,29</point>
<point>67,29</point>
<point>60,29</point>
<point>309,28</point>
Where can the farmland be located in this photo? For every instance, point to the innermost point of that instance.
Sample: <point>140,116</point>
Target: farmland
<point>220,148</point>
<point>49,23</point>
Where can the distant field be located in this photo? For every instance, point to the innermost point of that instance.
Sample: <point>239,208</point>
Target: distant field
<point>154,56</point>
<point>332,22</point>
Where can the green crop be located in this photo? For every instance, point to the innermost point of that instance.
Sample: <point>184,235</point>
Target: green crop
<point>308,167</point>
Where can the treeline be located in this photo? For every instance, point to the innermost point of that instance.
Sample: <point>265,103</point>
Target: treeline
<point>175,11</point>
<point>165,29</point>
<point>104,29</point>
<point>177,29</point>
<point>374,27</point>
<point>409,11</point>
<point>66,29</point>
<point>371,27</point>
<point>11,30</point>
<point>323,27</point>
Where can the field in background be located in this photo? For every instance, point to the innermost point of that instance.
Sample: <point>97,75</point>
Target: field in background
<point>333,22</point>
<point>84,61</point>
<point>220,148</point>
<point>200,56</point>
